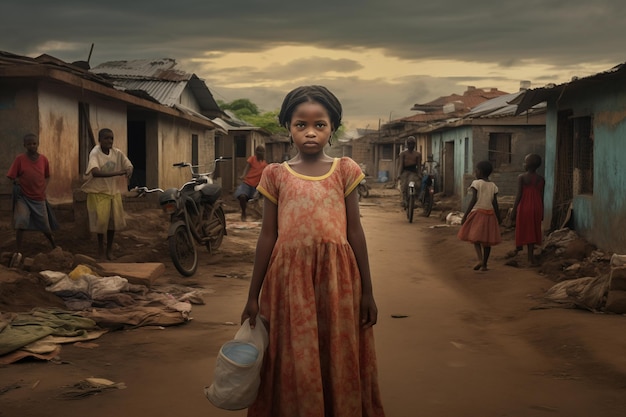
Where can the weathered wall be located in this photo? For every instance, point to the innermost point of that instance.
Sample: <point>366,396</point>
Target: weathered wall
<point>18,116</point>
<point>524,140</point>
<point>599,217</point>
<point>174,145</point>
<point>474,139</point>
<point>51,111</point>
<point>362,153</point>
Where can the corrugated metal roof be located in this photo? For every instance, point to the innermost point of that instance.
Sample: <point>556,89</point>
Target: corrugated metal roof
<point>162,69</point>
<point>165,92</point>
<point>159,80</point>
<point>538,95</point>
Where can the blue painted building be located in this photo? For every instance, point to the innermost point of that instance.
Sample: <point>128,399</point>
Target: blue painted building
<point>490,131</point>
<point>584,156</point>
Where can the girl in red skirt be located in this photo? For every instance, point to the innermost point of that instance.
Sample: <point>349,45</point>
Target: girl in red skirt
<point>481,221</point>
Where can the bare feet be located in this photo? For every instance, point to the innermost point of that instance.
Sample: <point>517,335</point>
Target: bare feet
<point>477,266</point>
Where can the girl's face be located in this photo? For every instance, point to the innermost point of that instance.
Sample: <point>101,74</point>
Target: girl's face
<point>310,127</point>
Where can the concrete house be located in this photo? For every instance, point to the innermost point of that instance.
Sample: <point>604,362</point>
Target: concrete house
<point>489,131</point>
<point>356,144</point>
<point>391,140</point>
<point>66,104</point>
<point>584,156</point>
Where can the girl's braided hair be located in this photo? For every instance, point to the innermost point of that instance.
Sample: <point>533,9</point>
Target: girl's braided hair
<point>310,93</point>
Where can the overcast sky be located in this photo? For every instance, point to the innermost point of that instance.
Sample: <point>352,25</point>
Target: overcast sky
<point>378,57</point>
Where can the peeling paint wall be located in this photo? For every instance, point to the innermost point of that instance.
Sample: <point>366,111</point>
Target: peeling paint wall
<point>50,110</point>
<point>599,217</point>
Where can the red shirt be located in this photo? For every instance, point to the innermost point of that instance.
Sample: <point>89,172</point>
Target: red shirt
<point>32,175</point>
<point>254,172</point>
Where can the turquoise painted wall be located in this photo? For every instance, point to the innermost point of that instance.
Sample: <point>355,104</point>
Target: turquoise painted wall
<point>601,217</point>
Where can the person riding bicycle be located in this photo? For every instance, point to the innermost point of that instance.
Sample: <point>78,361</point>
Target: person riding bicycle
<point>409,167</point>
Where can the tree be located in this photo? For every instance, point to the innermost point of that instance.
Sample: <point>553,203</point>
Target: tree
<point>249,112</point>
<point>241,107</point>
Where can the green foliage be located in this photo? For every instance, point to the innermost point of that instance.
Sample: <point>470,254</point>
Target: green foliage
<point>249,112</point>
<point>267,120</point>
<point>240,106</point>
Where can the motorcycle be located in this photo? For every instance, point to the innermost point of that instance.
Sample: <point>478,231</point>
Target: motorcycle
<point>424,199</point>
<point>363,188</point>
<point>196,217</point>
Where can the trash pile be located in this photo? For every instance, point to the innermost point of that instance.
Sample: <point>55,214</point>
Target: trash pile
<point>587,278</point>
<point>88,306</point>
<point>605,293</point>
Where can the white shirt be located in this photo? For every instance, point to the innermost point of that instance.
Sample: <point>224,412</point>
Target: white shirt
<point>485,190</point>
<point>114,161</point>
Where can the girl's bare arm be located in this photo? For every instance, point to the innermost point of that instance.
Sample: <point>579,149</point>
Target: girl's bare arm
<point>471,204</point>
<point>356,238</point>
<point>264,248</point>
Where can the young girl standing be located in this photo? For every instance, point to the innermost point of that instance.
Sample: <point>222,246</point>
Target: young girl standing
<point>528,207</point>
<point>481,221</point>
<point>311,262</point>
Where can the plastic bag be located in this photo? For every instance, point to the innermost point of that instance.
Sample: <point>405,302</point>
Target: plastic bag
<point>237,374</point>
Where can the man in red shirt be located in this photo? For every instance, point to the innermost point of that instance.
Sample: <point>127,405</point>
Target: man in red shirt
<point>30,173</point>
<point>251,177</point>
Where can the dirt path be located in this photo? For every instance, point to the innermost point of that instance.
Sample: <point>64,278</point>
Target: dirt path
<point>470,345</point>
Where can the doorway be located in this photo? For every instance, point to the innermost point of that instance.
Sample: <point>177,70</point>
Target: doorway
<point>448,168</point>
<point>136,134</point>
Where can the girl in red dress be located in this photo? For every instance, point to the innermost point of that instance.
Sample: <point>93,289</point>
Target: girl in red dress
<point>528,208</point>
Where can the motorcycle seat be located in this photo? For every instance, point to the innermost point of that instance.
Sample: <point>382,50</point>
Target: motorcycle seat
<point>211,192</point>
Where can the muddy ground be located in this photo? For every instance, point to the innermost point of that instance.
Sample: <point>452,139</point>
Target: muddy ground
<point>473,343</point>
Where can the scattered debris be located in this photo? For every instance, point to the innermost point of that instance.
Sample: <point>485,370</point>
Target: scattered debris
<point>10,387</point>
<point>454,218</point>
<point>90,386</point>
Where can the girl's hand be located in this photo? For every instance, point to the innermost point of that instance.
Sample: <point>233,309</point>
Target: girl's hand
<point>369,311</point>
<point>251,310</point>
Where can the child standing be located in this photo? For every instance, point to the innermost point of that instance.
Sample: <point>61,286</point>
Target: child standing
<point>251,177</point>
<point>30,173</point>
<point>311,262</point>
<point>104,188</point>
<point>528,208</point>
<point>481,221</point>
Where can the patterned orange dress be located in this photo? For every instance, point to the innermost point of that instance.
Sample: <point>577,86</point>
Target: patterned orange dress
<point>319,362</point>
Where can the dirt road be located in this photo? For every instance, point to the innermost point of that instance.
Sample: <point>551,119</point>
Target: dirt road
<point>464,344</point>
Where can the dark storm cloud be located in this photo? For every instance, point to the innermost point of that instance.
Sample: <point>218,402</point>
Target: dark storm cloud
<point>302,68</point>
<point>496,31</point>
<point>505,34</point>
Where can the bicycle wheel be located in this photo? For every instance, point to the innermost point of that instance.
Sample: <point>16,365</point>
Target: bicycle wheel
<point>183,251</point>
<point>218,226</point>
<point>410,207</point>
